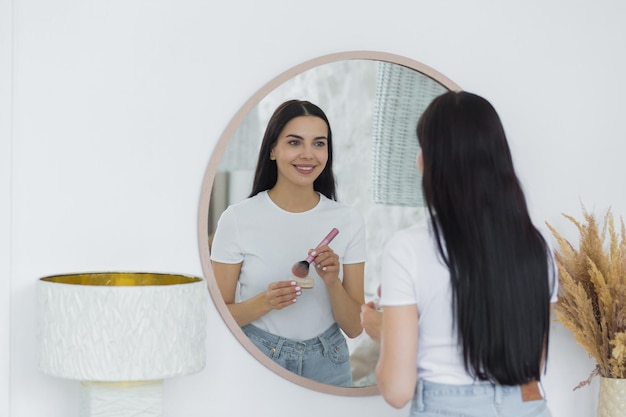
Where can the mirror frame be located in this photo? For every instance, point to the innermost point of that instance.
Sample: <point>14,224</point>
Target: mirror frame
<point>207,186</point>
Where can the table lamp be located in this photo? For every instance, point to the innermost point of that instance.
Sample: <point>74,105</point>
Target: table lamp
<point>121,334</point>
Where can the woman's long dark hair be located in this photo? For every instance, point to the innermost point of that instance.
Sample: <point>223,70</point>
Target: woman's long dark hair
<point>266,173</point>
<point>498,261</point>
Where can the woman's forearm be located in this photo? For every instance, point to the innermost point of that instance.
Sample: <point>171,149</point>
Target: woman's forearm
<point>248,311</point>
<point>346,309</point>
<point>279,295</point>
<point>396,371</point>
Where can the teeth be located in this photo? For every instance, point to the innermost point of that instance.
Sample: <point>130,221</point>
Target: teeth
<point>305,168</point>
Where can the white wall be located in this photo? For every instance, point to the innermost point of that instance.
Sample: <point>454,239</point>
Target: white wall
<point>116,106</point>
<point>5,201</point>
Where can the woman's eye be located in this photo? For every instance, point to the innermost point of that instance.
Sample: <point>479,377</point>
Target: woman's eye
<point>294,142</point>
<point>320,143</point>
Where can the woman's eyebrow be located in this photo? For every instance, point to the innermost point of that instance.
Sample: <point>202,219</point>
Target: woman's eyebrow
<point>293,135</point>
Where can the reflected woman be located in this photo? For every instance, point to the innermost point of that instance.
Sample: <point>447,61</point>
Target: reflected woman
<point>291,208</point>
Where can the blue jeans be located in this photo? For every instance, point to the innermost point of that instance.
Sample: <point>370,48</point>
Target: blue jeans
<point>476,400</point>
<point>324,358</point>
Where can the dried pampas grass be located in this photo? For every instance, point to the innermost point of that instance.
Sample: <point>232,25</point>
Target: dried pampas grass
<point>592,292</point>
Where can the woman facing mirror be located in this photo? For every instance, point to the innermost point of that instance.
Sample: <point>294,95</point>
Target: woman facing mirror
<point>257,241</point>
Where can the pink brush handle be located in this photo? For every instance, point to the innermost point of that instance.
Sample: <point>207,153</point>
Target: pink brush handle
<point>329,237</point>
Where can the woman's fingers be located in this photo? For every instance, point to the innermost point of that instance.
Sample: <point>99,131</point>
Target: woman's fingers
<point>371,320</point>
<point>326,259</point>
<point>281,294</point>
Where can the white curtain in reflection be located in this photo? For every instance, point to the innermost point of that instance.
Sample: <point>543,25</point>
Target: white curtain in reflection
<point>401,96</point>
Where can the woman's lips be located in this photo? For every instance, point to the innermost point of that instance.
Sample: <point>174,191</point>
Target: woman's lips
<point>304,169</point>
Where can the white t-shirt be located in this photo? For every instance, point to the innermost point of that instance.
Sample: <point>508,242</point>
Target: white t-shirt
<point>269,241</point>
<point>413,273</point>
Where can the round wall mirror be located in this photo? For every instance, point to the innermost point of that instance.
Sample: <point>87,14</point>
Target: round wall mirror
<point>373,101</point>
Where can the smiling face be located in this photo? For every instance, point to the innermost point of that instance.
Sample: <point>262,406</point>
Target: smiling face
<point>301,151</point>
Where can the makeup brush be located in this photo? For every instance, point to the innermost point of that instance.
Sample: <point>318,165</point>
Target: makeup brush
<point>301,269</point>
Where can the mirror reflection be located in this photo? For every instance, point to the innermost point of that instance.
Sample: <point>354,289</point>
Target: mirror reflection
<point>360,126</point>
<point>295,312</point>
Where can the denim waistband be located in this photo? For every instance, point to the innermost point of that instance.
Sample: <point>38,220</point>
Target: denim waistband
<point>495,392</point>
<point>312,343</point>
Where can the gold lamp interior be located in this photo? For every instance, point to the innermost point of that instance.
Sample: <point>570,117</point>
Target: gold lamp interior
<point>119,279</point>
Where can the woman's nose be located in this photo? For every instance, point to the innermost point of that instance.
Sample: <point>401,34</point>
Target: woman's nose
<point>306,152</point>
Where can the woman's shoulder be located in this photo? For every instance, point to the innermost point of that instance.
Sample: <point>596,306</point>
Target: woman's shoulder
<point>420,228</point>
<point>543,230</point>
<point>416,235</point>
<point>250,204</point>
<point>330,204</point>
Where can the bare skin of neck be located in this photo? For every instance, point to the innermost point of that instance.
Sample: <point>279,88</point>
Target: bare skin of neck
<point>294,199</point>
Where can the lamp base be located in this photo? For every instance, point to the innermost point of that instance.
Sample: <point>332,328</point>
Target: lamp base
<point>122,399</point>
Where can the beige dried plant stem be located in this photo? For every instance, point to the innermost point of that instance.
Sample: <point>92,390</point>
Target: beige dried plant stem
<point>592,296</point>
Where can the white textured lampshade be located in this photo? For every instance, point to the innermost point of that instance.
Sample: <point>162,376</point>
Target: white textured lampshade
<point>121,326</point>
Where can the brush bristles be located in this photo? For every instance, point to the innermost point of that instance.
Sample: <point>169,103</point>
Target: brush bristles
<point>301,269</point>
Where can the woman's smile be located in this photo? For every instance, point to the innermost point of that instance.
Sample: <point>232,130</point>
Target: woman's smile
<point>305,169</point>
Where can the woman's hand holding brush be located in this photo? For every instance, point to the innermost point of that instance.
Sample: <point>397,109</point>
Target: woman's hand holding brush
<point>301,269</point>
<point>325,260</point>
<point>326,263</point>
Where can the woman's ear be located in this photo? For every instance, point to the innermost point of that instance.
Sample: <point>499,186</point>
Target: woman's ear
<point>419,161</point>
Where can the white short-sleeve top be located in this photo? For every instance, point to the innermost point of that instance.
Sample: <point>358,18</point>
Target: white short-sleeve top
<point>413,273</point>
<point>268,241</point>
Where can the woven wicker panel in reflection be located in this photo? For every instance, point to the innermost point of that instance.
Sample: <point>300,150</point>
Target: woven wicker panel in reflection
<point>402,94</point>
